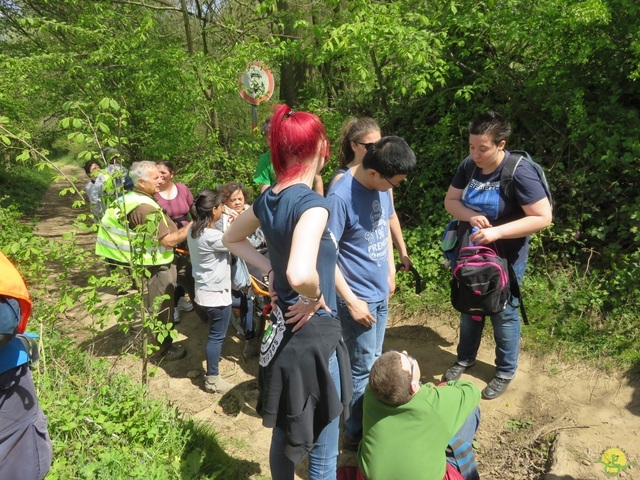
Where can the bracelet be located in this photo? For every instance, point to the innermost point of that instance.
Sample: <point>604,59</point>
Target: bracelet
<point>308,300</point>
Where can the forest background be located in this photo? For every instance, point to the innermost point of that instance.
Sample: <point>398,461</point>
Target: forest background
<point>158,79</point>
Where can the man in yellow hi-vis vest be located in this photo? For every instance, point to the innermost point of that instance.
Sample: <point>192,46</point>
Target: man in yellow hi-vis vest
<point>113,242</point>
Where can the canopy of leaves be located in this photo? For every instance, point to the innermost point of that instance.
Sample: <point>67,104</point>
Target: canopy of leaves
<point>565,72</point>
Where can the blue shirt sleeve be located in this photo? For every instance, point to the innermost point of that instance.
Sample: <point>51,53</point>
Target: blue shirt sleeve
<point>337,216</point>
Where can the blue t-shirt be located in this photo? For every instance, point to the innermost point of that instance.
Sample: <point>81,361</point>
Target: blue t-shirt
<point>360,222</point>
<point>482,194</point>
<point>278,215</point>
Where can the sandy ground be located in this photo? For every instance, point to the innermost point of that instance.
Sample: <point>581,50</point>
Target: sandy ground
<point>555,421</point>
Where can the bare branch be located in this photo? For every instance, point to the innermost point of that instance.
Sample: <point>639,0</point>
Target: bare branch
<point>167,5</point>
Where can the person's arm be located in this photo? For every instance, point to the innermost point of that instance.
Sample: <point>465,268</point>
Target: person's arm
<point>216,244</point>
<point>174,239</point>
<point>263,187</point>
<point>537,216</point>
<point>302,273</point>
<point>453,204</point>
<point>392,263</point>
<point>398,239</point>
<point>318,185</point>
<point>235,239</point>
<point>358,309</point>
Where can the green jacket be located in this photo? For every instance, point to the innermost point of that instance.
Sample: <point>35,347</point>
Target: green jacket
<point>409,441</point>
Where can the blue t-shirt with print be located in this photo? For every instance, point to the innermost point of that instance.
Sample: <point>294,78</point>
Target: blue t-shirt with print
<point>482,193</point>
<point>279,214</point>
<point>360,221</point>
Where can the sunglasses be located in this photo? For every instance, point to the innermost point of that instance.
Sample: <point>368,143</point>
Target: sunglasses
<point>366,145</point>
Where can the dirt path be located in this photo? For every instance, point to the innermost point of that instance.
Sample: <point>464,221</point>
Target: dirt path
<point>588,412</point>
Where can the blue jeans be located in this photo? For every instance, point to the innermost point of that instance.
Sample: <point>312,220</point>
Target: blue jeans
<point>218,323</point>
<point>240,299</point>
<point>365,346</point>
<point>323,457</point>
<point>506,332</point>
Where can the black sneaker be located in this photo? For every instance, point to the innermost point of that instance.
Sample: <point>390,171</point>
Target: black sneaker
<point>454,372</point>
<point>496,387</point>
<point>174,352</point>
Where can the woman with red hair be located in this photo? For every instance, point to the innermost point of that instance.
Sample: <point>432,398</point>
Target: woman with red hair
<point>304,377</point>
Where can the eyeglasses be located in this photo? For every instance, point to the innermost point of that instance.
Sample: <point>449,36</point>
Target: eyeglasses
<point>366,145</point>
<point>390,182</point>
<point>412,361</point>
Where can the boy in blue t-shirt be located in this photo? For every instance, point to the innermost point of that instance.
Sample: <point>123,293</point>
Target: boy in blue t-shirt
<point>361,206</point>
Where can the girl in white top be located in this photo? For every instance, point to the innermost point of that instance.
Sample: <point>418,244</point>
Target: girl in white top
<point>212,275</point>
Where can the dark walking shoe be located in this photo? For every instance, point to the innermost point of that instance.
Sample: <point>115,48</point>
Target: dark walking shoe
<point>174,352</point>
<point>252,348</point>
<point>454,372</point>
<point>496,387</point>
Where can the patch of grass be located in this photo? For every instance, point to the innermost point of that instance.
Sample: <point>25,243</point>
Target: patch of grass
<point>104,426</point>
<point>23,186</point>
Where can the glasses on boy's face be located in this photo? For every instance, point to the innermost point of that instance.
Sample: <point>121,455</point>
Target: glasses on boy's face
<point>412,361</point>
<point>390,182</point>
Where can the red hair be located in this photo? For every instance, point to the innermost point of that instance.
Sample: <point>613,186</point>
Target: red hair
<point>294,138</point>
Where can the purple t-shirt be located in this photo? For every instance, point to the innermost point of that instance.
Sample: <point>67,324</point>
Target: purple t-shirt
<point>177,208</point>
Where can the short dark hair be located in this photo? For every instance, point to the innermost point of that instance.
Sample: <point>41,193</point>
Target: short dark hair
<point>388,381</point>
<point>390,156</point>
<point>89,164</point>
<point>491,123</point>
<point>230,188</point>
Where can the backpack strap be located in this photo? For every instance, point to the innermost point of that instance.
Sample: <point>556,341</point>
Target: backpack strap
<point>508,170</point>
<point>30,344</point>
<point>515,291</point>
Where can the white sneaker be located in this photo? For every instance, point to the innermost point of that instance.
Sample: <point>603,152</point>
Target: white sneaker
<point>176,315</point>
<point>184,305</point>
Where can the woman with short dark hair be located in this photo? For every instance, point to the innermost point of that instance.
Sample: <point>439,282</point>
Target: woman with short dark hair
<point>504,223</point>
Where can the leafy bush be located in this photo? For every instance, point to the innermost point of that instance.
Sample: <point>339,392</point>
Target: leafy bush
<point>104,426</point>
<point>23,187</point>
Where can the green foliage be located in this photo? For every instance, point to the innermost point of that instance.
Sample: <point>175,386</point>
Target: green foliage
<point>516,424</point>
<point>23,183</point>
<point>421,69</point>
<point>101,423</point>
<point>103,426</point>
